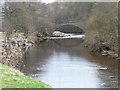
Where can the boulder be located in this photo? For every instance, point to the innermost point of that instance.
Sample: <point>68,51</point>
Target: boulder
<point>61,34</point>
<point>58,33</point>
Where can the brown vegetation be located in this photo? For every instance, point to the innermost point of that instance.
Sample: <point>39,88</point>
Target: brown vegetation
<point>100,20</point>
<point>102,27</point>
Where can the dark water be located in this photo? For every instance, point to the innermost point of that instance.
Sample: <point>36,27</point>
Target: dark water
<point>66,63</point>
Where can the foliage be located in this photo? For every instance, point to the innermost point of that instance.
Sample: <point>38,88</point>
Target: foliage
<point>99,19</point>
<point>26,17</point>
<point>66,12</point>
<point>103,22</point>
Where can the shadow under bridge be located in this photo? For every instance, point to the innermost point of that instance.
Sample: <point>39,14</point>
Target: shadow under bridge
<point>70,28</point>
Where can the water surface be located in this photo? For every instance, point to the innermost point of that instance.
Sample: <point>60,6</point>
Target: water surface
<point>67,64</point>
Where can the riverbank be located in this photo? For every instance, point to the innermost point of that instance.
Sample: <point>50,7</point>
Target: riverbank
<point>11,78</point>
<point>96,44</point>
<point>13,49</point>
<point>107,53</point>
<point>103,51</point>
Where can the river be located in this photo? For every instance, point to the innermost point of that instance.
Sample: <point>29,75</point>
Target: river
<point>67,64</point>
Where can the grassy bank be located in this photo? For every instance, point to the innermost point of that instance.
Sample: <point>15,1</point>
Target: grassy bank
<point>1,36</point>
<point>10,78</point>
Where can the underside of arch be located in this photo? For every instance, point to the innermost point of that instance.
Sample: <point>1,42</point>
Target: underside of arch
<point>70,29</point>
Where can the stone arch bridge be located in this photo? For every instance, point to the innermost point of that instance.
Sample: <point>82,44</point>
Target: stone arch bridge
<point>70,28</point>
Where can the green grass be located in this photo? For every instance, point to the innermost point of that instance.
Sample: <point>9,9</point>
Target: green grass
<point>2,36</point>
<point>11,78</point>
<point>17,34</point>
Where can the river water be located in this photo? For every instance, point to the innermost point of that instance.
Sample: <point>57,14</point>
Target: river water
<point>67,64</point>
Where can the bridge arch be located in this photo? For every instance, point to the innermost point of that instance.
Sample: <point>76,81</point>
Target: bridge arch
<point>70,28</point>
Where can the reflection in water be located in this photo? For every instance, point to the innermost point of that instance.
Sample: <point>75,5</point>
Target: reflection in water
<point>66,63</point>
